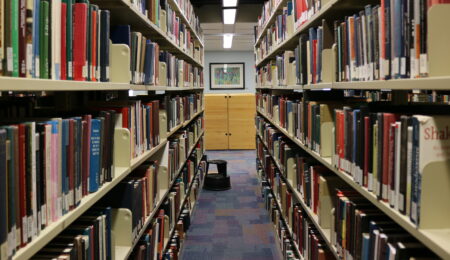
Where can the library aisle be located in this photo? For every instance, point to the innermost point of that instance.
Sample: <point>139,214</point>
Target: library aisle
<point>232,224</point>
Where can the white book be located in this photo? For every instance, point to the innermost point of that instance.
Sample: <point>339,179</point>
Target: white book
<point>56,38</point>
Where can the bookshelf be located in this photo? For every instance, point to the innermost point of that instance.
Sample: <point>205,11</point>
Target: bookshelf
<point>124,252</point>
<point>435,238</point>
<point>283,220</point>
<point>122,12</point>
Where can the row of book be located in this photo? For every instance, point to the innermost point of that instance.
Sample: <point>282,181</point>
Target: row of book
<point>280,30</point>
<point>54,40</point>
<point>301,11</point>
<point>156,242</point>
<point>182,108</point>
<point>301,66</point>
<point>383,152</point>
<point>188,10</point>
<point>151,66</point>
<point>282,232</point>
<point>303,236</point>
<point>386,41</point>
<point>47,167</point>
<point>89,237</point>
<point>354,222</point>
<point>162,14</point>
<point>181,143</point>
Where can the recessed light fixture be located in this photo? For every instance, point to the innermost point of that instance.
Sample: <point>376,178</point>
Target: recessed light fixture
<point>227,40</point>
<point>229,3</point>
<point>229,16</point>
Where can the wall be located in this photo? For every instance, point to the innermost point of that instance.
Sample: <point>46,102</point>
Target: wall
<point>232,56</point>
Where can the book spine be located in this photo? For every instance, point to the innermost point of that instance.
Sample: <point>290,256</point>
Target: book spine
<point>63,72</point>
<point>22,38</point>
<point>15,36</point>
<point>94,166</point>
<point>44,44</point>
<point>55,35</point>
<point>79,41</point>
<point>415,174</point>
<point>104,46</point>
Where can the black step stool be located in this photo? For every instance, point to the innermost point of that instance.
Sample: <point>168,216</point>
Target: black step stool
<point>219,181</point>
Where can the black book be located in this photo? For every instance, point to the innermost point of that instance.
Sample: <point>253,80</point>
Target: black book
<point>104,45</point>
<point>40,128</point>
<point>3,195</point>
<point>29,134</point>
<point>405,122</point>
<point>380,149</point>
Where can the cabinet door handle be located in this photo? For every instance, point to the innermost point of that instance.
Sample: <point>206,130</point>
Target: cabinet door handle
<point>229,134</point>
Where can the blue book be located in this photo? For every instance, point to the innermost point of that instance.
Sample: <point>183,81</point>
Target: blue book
<point>94,167</point>
<point>35,38</point>
<point>319,54</point>
<point>64,162</point>
<point>290,7</point>
<point>365,246</point>
<point>415,174</point>
<point>121,34</point>
<point>312,38</point>
<point>148,63</point>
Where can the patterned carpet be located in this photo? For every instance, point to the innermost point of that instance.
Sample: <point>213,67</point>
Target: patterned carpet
<point>233,224</point>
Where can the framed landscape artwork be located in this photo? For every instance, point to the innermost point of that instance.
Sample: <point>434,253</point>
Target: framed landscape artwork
<point>227,76</point>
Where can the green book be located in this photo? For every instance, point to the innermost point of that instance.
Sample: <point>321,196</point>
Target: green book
<point>15,37</point>
<point>44,23</point>
<point>69,38</point>
<point>7,60</point>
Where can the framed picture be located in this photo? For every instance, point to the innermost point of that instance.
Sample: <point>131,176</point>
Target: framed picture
<point>227,76</point>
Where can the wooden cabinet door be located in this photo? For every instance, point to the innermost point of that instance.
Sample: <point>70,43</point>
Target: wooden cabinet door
<point>241,121</point>
<point>216,122</point>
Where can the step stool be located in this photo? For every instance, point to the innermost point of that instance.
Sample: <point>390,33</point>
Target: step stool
<point>219,181</point>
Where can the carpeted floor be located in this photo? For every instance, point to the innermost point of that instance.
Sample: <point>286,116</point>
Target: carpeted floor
<point>233,224</point>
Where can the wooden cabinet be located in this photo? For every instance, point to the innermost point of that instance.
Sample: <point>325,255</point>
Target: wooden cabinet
<point>229,121</point>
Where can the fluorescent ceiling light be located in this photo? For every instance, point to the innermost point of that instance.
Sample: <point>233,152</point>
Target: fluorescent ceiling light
<point>229,16</point>
<point>229,3</point>
<point>227,40</point>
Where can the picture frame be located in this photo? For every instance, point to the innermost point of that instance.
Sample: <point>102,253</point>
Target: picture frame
<point>226,76</point>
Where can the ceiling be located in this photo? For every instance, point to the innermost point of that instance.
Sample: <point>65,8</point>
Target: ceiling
<point>210,15</point>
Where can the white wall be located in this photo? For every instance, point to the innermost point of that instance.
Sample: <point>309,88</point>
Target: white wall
<point>231,56</point>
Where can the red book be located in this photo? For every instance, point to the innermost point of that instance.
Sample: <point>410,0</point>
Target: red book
<point>23,188</point>
<point>94,27</point>
<point>71,159</point>
<point>161,232</point>
<point>63,41</point>
<point>86,153</point>
<point>367,139</point>
<point>79,41</point>
<point>388,119</point>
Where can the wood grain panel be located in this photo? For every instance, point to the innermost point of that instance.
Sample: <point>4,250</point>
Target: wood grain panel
<point>241,121</point>
<point>216,122</point>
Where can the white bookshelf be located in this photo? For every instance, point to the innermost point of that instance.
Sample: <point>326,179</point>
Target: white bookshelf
<point>30,85</point>
<point>437,240</point>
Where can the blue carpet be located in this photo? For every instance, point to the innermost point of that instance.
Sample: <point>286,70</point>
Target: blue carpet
<point>233,224</point>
